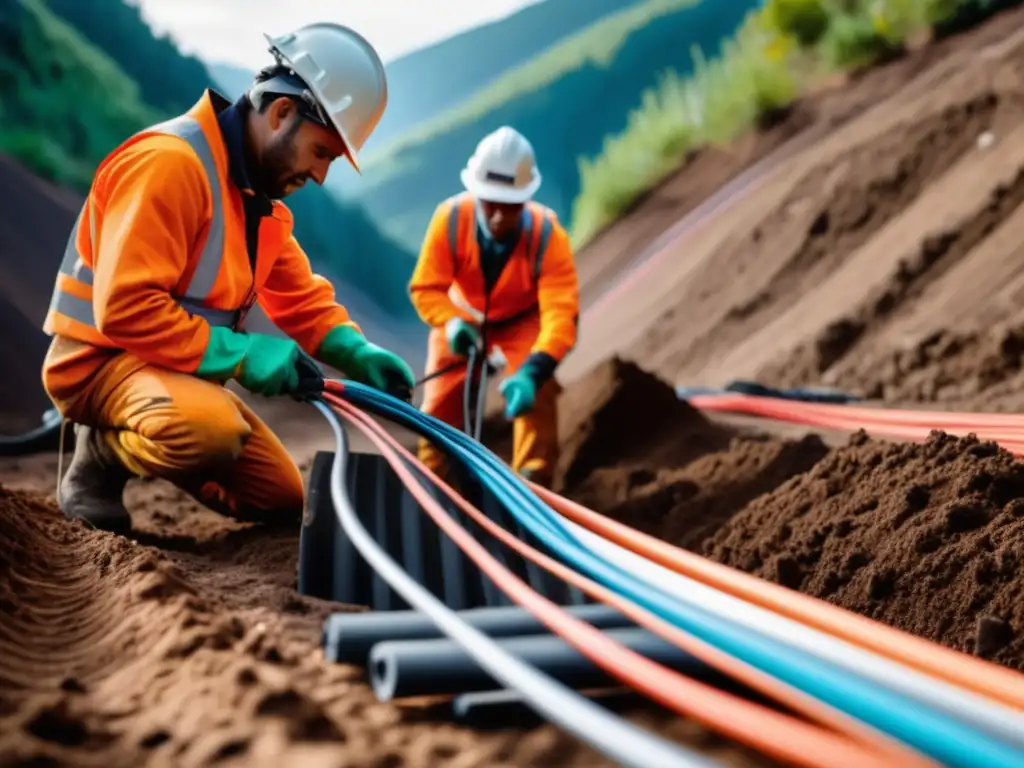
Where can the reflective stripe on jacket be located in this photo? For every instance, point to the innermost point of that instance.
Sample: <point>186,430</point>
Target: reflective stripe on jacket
<point>158,253</point>
<point>540,275</point>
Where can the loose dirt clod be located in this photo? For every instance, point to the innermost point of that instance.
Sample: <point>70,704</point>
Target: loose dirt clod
<point>622,416</point>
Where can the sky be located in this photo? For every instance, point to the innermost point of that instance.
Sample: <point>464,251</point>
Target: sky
<point>231,31</point>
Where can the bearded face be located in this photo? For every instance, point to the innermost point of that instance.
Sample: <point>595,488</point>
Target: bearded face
<point>280,170</point>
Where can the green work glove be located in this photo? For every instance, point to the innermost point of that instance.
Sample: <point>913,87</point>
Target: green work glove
<point>520,392</point>
<point>461,336</point>
<point>262,364</point>
<point>348,350</point>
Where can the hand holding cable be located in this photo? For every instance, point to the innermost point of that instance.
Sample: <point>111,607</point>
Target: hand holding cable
<point>348,350</point>
<point>520,389</point>
<point>263,364</point>
<point>462,336</point>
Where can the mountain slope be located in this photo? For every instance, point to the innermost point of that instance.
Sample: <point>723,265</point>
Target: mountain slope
<point>232,81</point>
<point>566,100</point>
<point>340,239</point>
<point>427,82</point>
<point>34,223</point>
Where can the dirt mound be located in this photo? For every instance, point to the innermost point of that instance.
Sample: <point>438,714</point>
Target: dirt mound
<point>969,368</point>
<point>749,179</point>
<point>636,452</point>
<point>828,215</point>
<point>843,352</point>
<point>686,504</point>
<point>622,416</point>
<point>928,538</point>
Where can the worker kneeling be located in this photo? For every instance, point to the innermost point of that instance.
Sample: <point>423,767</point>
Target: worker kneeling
<point>182,233</point>
<point>496,270</point>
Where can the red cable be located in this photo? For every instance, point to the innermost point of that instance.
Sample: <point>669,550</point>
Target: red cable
<point>774,733</point>
<point>906,424</point>
<point>974,674</point>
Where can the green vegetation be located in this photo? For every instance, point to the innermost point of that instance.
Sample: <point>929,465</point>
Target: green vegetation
<point>770,60</point>
<point>75,83</point>
<point>167,79</point>
<point>597,45</point>
<point>565,99</point>
<point>63,103</point>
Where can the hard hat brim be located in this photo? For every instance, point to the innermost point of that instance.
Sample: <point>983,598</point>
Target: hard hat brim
<point>350,153</point>
<point>499,193</point>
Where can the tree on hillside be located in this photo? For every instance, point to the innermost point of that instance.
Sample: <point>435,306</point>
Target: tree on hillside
<point>168,79</point>
<point>49,68</point>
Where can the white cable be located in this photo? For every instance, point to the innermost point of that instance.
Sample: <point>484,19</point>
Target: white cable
<point>989,716</point>
<point>616,738</point>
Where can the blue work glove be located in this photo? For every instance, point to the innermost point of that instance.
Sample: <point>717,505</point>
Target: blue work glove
<point>461,335</point>
<point>348,350</point>
<point>520,389</point>
<point>520,393</point>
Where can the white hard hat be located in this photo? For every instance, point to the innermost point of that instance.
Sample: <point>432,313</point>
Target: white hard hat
<point>502,169</point>
<point>344,74</point>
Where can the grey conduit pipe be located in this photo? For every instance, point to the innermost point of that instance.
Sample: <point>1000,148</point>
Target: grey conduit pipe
<point>439,667</point>
<point>348,637</point>
<point>612,736</point>
<point>497,708</point>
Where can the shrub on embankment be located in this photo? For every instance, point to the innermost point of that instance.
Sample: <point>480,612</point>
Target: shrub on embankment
<point>776,53</point>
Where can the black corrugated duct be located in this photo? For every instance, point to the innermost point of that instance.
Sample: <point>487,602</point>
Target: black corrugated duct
<point>332,569</point>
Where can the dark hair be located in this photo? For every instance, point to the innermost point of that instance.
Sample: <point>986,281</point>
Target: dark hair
<point>279,80</point>
<point>261,98</point>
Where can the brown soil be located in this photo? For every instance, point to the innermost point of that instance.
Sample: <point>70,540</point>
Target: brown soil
<point>928,538</point>
<point>201,652</point>
<point>878,251</point>
<point>620,416</point>
<point>33,231</point>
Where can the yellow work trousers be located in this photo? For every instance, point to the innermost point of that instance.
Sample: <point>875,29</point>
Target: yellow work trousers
<point>534,434</point>
<point>196,434</point>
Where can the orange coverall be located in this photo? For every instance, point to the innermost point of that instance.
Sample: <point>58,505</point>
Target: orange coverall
<point>158,253</point>
<point>533,307</point>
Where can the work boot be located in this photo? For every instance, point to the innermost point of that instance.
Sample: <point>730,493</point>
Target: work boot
<point>93,486</point>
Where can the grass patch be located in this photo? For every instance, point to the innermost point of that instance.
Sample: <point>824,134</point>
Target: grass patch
<point>774,55</point>
<point>595,45</point>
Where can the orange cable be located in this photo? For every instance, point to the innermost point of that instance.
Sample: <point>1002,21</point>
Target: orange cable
<point>983,677</point>
<point>904,424</point>
<point>895,415</point>
<point>774,733</point>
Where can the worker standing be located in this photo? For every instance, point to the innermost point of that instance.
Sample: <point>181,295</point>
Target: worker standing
<point>181,245</point>
<point>496,270</point>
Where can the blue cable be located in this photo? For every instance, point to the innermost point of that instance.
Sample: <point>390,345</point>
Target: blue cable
<point>908,719</point>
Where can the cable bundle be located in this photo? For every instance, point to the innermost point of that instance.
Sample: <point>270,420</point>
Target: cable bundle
<point>872,708</point>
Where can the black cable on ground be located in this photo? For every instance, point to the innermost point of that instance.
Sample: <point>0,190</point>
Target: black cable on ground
<point>44,438</point>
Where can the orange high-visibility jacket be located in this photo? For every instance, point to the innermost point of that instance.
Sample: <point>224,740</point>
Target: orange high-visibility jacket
<point>158,253</point>
<point>540,275</point>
